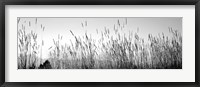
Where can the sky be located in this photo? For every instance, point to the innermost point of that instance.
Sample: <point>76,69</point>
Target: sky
<point>48,29</point>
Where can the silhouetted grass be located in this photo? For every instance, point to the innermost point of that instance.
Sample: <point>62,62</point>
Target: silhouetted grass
<point>111,51</point>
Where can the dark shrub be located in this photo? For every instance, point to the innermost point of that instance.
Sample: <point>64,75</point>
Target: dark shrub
<point>45,65</point>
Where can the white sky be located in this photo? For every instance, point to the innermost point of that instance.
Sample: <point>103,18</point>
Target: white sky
<point>62,26</point>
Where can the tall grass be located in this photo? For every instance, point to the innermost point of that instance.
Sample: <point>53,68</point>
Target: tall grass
<point>111,51</point>
<point>28,48</point>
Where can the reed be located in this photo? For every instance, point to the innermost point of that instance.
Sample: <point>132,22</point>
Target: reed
<point>111,51</point>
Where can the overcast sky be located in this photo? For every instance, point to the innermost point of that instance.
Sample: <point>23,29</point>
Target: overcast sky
<point>62,26</point>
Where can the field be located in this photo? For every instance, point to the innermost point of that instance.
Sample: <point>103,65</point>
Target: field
<point>112,51</point>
